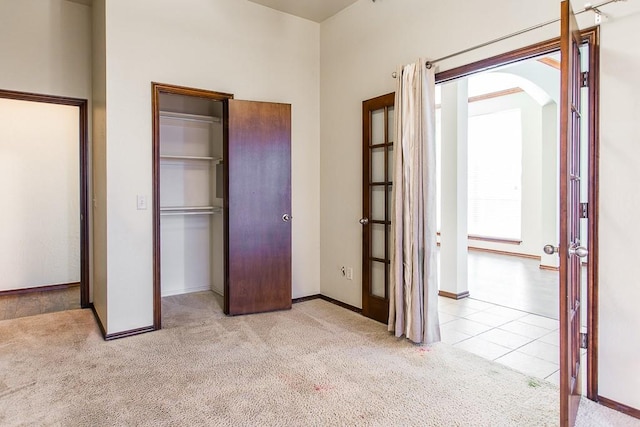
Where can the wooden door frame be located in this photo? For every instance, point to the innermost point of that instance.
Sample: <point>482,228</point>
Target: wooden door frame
<point>84,173</point>
<point>156,90</point>
<point>590,37</point>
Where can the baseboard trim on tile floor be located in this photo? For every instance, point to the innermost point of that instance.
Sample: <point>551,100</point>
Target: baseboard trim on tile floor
<point>451,295</point>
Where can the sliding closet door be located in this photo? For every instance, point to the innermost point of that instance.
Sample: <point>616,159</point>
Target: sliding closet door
<point>258,207</point>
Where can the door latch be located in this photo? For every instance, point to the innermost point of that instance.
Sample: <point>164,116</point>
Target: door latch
<point>584,210</point>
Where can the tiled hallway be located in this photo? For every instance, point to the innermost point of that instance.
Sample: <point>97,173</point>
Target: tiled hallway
<point>525,342</point>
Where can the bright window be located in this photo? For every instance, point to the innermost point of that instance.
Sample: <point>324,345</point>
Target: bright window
<point>495,175</point>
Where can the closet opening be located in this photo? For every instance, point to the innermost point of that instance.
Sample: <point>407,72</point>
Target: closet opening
<point>189,194</point>
<point>221,203</point>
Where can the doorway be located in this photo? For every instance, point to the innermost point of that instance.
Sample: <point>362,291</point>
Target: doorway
<point>589,209</point>
<point>589,38</point>
<point>45,171</point>
<point>511,122</point>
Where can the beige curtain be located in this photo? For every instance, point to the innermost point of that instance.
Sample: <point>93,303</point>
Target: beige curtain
<point>413,288</point>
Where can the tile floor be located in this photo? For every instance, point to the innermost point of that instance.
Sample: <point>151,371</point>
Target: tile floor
<point>514,282</point>
<point>525,342</point>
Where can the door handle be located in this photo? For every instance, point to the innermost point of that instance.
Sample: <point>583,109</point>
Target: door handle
<point>579,251</point>
<point>364,221</point>
<point>287,217</point>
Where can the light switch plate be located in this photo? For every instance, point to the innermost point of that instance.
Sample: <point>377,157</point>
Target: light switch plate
<point>141,202</point>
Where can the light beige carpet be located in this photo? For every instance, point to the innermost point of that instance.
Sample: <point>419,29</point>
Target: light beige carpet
<point>317,364</point>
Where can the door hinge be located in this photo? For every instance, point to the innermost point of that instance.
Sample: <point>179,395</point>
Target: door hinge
<point>584,339</point>
<point>584,210</point>
<point>585,79</point>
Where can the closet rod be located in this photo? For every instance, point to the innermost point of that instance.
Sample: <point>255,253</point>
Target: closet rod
<point>587,8</point>
<point>190,213</point>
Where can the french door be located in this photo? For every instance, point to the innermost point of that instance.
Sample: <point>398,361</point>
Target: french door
<point>570,248</point>
<point>377,172</point>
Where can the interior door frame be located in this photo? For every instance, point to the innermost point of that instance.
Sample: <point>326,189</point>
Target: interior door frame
<point>85,295</point>
<point>156,90</point>
<point>590,37</point>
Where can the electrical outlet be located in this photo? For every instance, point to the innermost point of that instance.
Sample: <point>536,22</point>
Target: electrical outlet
<point>350,273</point>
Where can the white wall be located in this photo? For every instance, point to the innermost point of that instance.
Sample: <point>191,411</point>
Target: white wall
<point>362,45</point>
<point>40,192</point>
<point>45,47</point>
<point>231,46</point>
<point>531,115</point>
<point>549,193</point>
<point>98,196</point>
<point>619,345</point>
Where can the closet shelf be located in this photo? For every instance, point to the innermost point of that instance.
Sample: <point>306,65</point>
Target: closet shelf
<point>190,117</point>
<point>190,210</point>
<point>208,158</point>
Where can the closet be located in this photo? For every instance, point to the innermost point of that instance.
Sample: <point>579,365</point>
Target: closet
<point>191,195</point>
<point>221,199</point>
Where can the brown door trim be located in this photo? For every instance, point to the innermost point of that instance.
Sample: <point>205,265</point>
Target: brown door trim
<point>84,196</point>
<point>156,90</point>
<point>590,37</point>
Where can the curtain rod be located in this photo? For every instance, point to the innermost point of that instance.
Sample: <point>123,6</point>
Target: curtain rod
<point>587,8</point>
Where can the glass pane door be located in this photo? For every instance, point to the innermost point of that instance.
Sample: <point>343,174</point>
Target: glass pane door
<point>378,132</point>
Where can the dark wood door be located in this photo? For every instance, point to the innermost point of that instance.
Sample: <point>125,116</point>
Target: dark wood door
<point>569,248</point>
<point>257,207</point>
<point>377,173</point>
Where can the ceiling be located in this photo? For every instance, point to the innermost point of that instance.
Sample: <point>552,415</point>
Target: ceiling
<point>314,10</point>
